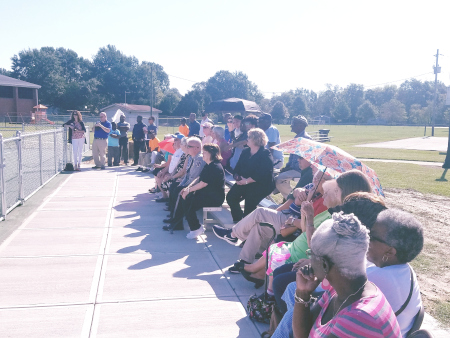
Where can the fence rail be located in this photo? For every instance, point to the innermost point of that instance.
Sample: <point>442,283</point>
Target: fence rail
<point>30,160</point>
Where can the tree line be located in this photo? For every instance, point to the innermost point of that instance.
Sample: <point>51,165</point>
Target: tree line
<point>72,82</point>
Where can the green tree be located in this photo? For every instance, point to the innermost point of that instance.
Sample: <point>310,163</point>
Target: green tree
<point>225,84</point>
<point>3,71</point>
<point>378,96</point>
<point>279,112</point>
<point>393,112</point>
<point>366,111</point>
<point>299,107</point>
<point>353,95</point>
<point>418,115</point>
<point>341,112</point>
<point>170,101</point>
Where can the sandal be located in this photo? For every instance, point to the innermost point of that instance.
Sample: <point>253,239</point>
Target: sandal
<point>152,191</point>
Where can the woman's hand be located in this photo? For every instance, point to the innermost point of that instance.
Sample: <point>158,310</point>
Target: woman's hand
<point>306,281</point>
<point>301,263</point>
<point>307,210</point>
<point>243,181</point>
<point>184,193</point>
<point>300,194</point>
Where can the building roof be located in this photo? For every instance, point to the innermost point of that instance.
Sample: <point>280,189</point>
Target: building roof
<point>12,82</point>
<point>132,108</point>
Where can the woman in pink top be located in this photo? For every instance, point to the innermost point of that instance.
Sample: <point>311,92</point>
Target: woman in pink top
<point>218,135</point>
<point>352,306</point>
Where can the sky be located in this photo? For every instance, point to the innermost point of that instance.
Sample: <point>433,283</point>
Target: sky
<point>281,45</point>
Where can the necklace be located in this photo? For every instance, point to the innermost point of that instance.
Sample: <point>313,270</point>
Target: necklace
<point>346,299</point>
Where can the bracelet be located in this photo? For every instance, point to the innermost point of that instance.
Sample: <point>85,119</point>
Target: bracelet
<point>301,301</point>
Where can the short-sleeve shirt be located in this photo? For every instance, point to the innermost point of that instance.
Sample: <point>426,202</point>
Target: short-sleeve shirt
<point>100,133</point>
<point>184,130</point>
<point>274,137</point>
<point>113,142</point>
<point>175,160</point>
<point>214,176</point>
<point>122,132</point>
<point>194,128</point>
<point>298,247</point>
<point>152,127</point>
<point>371,316</point>
<point>153,144</point>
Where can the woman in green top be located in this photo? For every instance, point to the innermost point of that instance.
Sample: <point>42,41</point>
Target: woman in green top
<point>334,192</point>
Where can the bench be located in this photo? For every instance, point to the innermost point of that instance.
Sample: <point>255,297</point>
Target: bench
<point>321,135</point>
<point>219,211</point>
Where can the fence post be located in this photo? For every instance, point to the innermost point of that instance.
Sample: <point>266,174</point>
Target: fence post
<point>19,156</point>
<point>23,127</point>
<point>54,151</point>
<point>2,178</point>
<point>40,159</point>
<point>64,146</point>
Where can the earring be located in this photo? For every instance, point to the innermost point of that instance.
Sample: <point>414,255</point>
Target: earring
<point>384,259</point>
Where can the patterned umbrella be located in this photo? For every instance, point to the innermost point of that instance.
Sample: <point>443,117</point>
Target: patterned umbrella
<point>330,158</point>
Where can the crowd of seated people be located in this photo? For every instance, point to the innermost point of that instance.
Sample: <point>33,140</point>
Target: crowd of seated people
<point>339,263</point>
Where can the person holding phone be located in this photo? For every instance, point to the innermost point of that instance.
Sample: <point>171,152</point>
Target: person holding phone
<point>77,137</point>
<point>351,304</point>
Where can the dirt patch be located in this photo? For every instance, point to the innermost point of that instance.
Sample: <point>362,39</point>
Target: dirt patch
<point>432,265</point>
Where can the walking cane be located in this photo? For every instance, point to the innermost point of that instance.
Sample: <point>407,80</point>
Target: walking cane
<point>267,256</point>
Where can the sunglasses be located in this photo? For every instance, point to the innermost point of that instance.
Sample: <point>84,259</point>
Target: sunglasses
<point>375,238</point>
<point>192,146</point>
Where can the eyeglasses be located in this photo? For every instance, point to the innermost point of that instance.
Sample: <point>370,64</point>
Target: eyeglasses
<point>230,121</point>
<point>375,238</point>
<point>192,146</point>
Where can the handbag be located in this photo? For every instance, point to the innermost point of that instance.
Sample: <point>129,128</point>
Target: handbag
<point>260,309</point>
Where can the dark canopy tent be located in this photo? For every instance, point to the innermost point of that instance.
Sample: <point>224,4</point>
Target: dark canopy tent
<point>233,105</point>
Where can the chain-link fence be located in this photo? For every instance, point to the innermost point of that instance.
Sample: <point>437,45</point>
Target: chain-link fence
<point>28,161</point>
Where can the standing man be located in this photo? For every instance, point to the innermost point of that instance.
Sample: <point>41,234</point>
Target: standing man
<point>292,170</point>
<point>138,137</point>
<point>113,146</point>
<point>101,132</point>
<point>194,126</point>
<point>183,128</point>
<point>202,122</point>
<point>152,126</point>
<point>265,123</point>
<point>123,140</point>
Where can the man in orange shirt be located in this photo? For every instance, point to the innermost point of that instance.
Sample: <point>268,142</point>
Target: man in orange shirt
<point>183,128</point>
<point>147,159</point>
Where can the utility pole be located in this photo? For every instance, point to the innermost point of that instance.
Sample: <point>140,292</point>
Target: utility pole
<point>151,83</point>
<point>126,96</point>
<point>437,70</point>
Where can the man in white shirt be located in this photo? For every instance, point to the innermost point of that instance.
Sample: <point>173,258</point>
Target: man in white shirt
<point>202,122</point>
<point>265,123</point>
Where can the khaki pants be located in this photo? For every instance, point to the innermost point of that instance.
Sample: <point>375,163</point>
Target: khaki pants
<point>283,181</point>
<point>99,152</point>
<point>255,236</point>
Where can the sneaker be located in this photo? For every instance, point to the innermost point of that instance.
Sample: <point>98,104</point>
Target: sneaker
<point>224,234</point>
<point>102,167</point>
<point>95,167</point>
<point>238,266</point>
<point>145,170</point>
<point>139,169</point>
<point>195,233</point>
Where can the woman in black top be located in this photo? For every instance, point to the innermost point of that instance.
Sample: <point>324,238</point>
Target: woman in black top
<point>253,175</point>
<point>208,192</point>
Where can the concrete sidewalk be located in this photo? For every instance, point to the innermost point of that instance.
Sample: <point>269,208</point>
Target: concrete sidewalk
<point>92,260</point>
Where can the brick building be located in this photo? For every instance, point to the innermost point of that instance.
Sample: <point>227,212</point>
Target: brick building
<point>17,97</point>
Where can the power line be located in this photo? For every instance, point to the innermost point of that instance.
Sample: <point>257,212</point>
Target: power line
<point>177,77</point>
<point>381,84</point>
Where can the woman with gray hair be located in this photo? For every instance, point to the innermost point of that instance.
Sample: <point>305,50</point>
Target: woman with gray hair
<point>351,306</point>
<point>219,139</point>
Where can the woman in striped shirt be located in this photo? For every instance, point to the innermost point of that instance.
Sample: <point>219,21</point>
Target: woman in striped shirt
<point>352,306</point>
